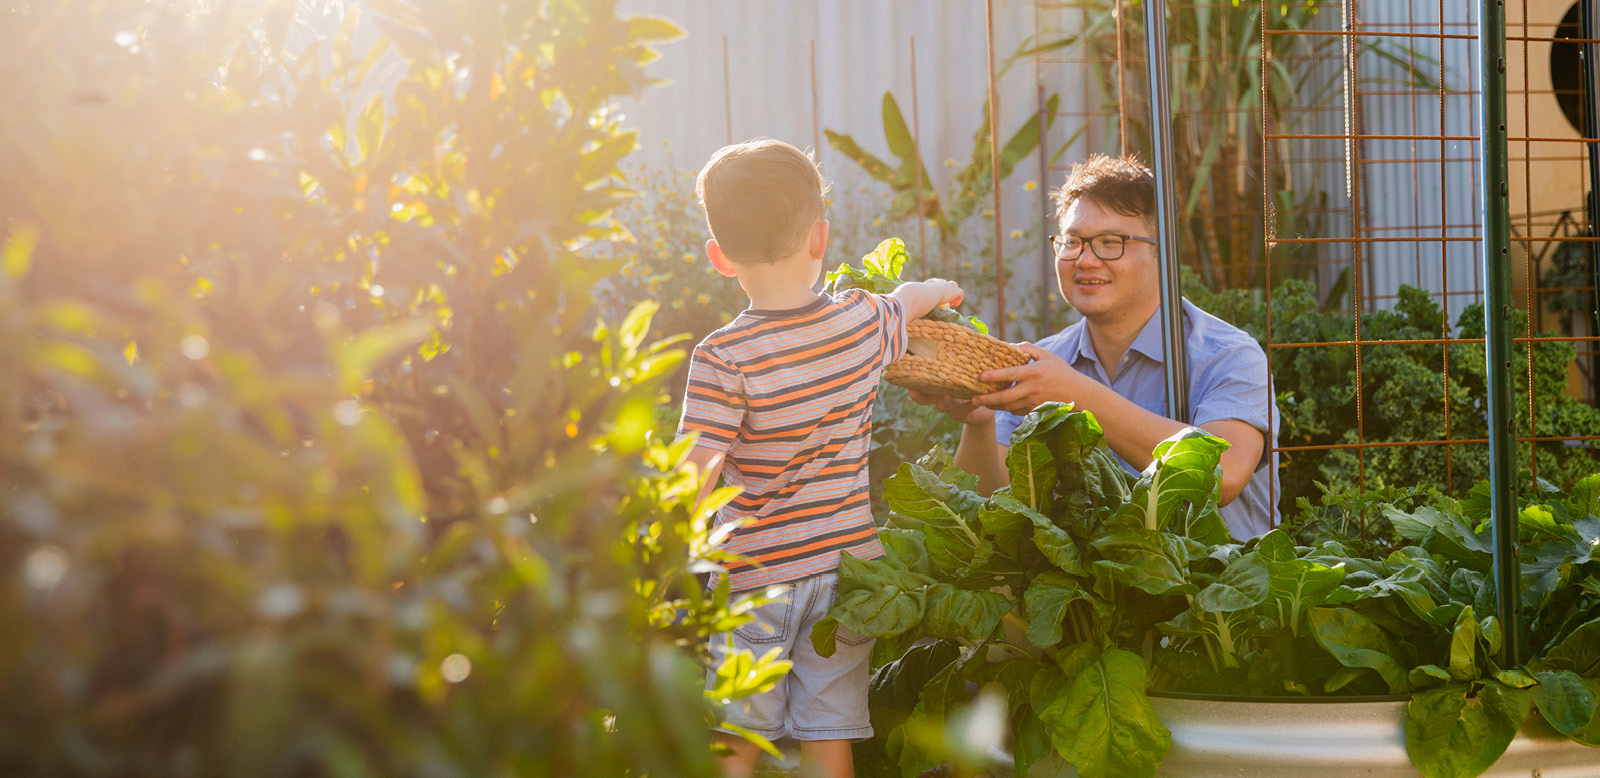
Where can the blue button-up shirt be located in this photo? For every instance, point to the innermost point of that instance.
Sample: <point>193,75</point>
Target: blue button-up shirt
<point>1227,380</point>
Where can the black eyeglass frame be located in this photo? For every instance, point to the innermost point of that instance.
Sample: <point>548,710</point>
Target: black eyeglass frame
<point>1057,240</point>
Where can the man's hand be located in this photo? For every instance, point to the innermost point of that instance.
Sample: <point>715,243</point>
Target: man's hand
<point>1048,377</point>
<point>964,411</point>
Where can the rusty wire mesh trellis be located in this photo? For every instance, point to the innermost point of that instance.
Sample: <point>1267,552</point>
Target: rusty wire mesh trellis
<point>1354,167</point>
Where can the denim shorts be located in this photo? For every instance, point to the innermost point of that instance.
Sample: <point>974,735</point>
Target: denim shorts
<point>819,699</point>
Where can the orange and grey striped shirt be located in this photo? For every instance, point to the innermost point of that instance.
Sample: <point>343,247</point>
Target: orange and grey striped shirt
<point>789,395</point>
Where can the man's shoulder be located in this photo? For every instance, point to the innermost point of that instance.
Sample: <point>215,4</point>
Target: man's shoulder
<point>1213,331</point>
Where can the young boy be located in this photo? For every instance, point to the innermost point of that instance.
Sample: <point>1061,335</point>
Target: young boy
<point>782,399</point>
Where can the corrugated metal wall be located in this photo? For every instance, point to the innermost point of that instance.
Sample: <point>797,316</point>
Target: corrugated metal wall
<point>862,49</point>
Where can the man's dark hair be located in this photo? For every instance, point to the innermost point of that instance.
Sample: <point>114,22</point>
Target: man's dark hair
<point>1122,184</point>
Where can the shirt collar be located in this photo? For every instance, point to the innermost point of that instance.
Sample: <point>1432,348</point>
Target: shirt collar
<point>1148,342</point>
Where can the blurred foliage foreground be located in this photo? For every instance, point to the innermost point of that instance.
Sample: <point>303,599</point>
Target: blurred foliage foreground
<point>313,458</point>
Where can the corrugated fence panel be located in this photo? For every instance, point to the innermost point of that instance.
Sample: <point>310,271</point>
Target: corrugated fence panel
<point>1404,193</point>
<point>863,49</point>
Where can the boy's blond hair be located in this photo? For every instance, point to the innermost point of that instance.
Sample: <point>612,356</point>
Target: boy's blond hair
<point>761,198</point>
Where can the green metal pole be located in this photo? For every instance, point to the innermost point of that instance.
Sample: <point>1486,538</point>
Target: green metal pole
<point>1497,315</point>
<point>1176,351</point>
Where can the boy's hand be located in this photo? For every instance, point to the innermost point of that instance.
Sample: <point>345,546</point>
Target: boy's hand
<point>920,297</point>
<point>949,292</point>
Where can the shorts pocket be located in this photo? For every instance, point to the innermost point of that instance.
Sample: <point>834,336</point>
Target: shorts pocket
<point>848,637</point>
<point>771,623</point>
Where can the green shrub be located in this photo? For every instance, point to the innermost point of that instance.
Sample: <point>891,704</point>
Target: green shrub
<point>318,459</point>
<point>1403,393</point>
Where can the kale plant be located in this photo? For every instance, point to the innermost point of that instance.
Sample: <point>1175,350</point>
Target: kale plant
<point>1403,393</point>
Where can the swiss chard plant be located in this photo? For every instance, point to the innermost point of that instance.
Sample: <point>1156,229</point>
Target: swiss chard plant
<point>1078,589</point>
<point>880,273</point>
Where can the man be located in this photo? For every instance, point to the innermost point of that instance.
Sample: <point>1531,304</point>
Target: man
<point>1111,362</point>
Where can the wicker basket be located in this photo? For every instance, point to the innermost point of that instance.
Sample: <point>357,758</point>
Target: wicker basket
<point>947,359</point>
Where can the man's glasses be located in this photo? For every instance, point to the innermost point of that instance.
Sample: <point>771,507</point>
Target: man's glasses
<point>1107,246</point>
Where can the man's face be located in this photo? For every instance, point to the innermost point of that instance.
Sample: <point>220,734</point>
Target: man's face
<point>1107,290</point>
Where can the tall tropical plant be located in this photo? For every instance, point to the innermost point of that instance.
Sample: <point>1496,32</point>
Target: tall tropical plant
<point>1218,96</point>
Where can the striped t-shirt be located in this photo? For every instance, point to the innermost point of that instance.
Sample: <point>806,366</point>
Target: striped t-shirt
<point>789,395</point>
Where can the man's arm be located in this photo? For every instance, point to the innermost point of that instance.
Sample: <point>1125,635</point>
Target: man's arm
<point>1130,430</point>
<point>978,452</point>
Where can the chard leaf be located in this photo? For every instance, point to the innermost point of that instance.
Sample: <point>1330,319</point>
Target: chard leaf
<point>876,599</point>
<point>1449,735</point>
<point>1048,683</point>
<point>947,689</point>
<point>1223,633</point>
<point>1341,678</point>
<point>1046,603</point>
<point>1464,647</point>
<point>1540,521</point>
<point>946,514</point>
<point>1031,742</point>
<point>1489,626</point>
<point>1550,569</point>
<point>887,260</point>
<point>1010,527</point>
<point>906,549</point>
<point>1031,464</point>
<point>1077,447</point>
<point>1564,700</point>
<point>1579,652</point>
<point>1275,546</point>
<point>1243,584</point>
<point>1178,491</point>
<point>895,687</point>
<point>824,636</point>
<point>1425,676</point>
<point>1516,678</point>
<point>1103,723</point>
<point>1357,642</point>
<point>869,574</point>
<point>1055,543</point>
<point>1295,586</point>
<point>1076,658</point>
<point>1151,561</point>
<point>962,613</point>
<point>1589,734</point>
<point>1466,586</point>
<point>1447,534</point>
<point>1584,498</point>
<point>880,613</point>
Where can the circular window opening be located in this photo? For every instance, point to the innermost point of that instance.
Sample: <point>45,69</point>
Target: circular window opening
<point>1566,67</point>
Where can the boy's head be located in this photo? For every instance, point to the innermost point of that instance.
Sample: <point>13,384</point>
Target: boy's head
<point>761,199</point>
<point>1121,184</point>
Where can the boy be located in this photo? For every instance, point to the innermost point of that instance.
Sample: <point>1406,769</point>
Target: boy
<point>782,400</point>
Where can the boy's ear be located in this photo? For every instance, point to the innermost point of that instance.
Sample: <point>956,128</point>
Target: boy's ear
<point>819,239</point>
<point>720,260</point>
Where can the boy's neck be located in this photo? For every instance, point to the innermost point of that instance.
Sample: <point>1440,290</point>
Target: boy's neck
<point>783,285</point>
<point>782,300</point>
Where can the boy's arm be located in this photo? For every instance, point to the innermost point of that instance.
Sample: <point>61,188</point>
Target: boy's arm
<point>708,462</point>
<point>917,298</point>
